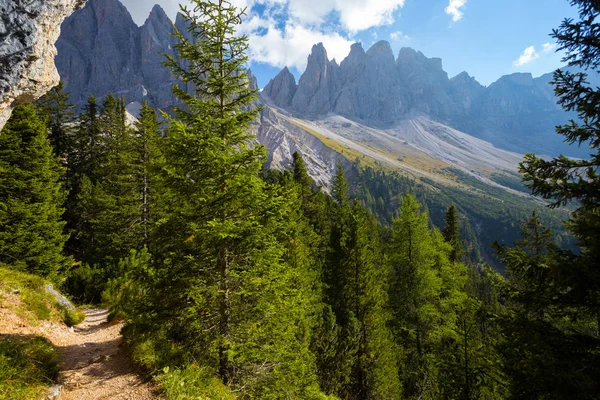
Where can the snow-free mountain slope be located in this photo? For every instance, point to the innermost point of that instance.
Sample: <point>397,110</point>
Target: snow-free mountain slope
<point>517,113</point>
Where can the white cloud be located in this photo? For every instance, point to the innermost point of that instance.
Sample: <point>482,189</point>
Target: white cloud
<point>285,30</point>
<point>398,35</point>
<point>288,42</point>
<point>455,9</point>
<point>291,46</point>
<point>529,55</point>
<point>354,15</point>
<point>548,47</point>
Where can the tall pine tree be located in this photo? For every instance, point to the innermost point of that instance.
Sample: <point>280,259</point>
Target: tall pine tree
<point>572,279</point>
<point>223,288</point>
<point>31,197</point>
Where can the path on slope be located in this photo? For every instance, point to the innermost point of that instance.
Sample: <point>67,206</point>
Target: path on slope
<point>95,367</point>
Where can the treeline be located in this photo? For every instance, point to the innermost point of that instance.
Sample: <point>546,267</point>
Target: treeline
<point>486,216</point>
<point>276,286</point>
<point>239,282</point>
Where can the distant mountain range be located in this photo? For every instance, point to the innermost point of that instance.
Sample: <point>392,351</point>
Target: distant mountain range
<point>517,112</point>
<point>101,50</point>
<point>456,139</point>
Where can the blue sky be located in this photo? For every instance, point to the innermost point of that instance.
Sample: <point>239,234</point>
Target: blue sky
<point>486,38</point>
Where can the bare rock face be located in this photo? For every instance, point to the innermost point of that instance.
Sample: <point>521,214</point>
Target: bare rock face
<point>28,31</point>
<point>313,96</point>
<point>282,88</point>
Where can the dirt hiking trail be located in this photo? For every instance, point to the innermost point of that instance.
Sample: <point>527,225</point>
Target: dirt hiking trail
<point>95,367</point>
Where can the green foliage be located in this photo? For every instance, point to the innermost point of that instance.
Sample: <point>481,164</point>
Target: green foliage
<point>34,302</point>
<point>31,197</point>
<point>541,335</point>
<point>512,181</point>
<point>124,293</point>
<point>235,282</point>
<point>193,383</point>
<point>439,325</point>
<point>364,366</point>
<point>72,317</point>
<point>485,216</point>
<point>552,346</point>
<point>223,284</point>
<point>112,201</point>
<point>59,113</point>
<point>84,283</point>
<point>27,367</point>
<point>451,234</point>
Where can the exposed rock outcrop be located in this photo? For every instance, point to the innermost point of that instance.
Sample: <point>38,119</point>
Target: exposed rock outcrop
<point>313,96</point>
<point>282,88</point>
<point>28,31</point>
<point>518,112</point>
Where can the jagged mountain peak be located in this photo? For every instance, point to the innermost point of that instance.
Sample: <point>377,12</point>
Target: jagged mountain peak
<point>317,56</point>
<point>282,88</point>
<point>107,10</point>
<point>158,14</point>
<point>518,78</point>
<point>381,50</point>
<point>408,53</point>
<point>357,55</point>
<point>380,47</point>
<point>101,51</point>
<point>463,77</point>
<point>356,47</point>
<point>370,88</point>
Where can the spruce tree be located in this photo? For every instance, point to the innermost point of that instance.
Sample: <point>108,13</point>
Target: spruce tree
<point>88,142</point>
<point>358,295</point>
<point>451,234</point>
<point>31,197</point>
<point>60,117</point>
<point>148,160</point>
<point>568,283</point>
<point>222,286</point>
<point>110,201</point>
<point>549,350</point>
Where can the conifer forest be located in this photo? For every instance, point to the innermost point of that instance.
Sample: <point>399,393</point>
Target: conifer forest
<point>235,281</point>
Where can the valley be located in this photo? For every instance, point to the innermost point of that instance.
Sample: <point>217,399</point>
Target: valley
<point>351,219</point>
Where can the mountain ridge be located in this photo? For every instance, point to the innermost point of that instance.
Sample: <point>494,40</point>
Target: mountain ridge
<point>517,112</point>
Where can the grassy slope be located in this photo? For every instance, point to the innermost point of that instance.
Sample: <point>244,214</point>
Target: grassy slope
<point>28,363</point>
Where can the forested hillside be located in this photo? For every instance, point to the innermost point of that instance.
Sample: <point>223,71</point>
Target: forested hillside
<point>239,282</point>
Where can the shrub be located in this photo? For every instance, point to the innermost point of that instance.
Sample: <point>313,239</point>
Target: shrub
<point>193,383</point>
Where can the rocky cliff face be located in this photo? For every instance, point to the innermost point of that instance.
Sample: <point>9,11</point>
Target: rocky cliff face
<point>102,51</point>
<point>282,88</point>
<point>28,31</point>
<point>517,112</point>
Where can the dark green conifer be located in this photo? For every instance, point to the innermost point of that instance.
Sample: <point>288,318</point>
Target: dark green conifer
<point>451,234</point>
<point>60,118</point>
<point>223,288</point>
<point>358,295</point>
<point>564,340</point>
<point>31,197</point>
<point>148,160</point>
